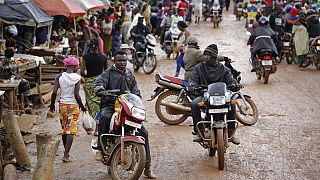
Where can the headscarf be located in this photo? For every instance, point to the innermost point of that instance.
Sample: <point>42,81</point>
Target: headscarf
<point>71,61</point>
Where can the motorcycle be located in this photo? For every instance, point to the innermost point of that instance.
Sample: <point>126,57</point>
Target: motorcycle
<point>313,57</point>
<point>250,25</point>
<point>171,42</point>
<point>122,148</point>
<point>173,105</point>
<point>205,10</point>
<point>265,64</point>
<point>146,58</point>
<point>215,15</point>
<point>217,100</point>
<point>239,11</point>
<point>287,52</point>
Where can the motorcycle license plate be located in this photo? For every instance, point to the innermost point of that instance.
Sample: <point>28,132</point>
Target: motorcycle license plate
<point>318,48</point>
<point>214,111</point>
<point>133,124</point>
<point>286,44</point>
<point>250,25</point>
<point>266,62</point>
<point>239,9</point>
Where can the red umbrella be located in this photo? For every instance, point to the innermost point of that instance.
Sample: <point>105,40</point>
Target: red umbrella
<point>66,8</point>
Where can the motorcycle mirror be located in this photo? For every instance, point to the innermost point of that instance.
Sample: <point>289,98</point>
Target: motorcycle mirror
<point>248,33</point>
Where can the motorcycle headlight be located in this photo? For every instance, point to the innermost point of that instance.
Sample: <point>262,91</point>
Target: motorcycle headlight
<point>217,100</point>
<point>139,113</point>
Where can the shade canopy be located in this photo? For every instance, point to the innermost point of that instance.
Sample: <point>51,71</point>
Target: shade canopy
<point>90,5</point>
<point>66,8</point>
<point>24,12</point>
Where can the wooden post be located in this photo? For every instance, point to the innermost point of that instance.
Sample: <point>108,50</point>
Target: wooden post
<point>14,135</point>
<point>42,139</point>
<point>10,172</point>
<point>47,155</point>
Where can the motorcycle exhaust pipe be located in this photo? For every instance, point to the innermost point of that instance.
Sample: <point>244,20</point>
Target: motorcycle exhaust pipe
<point>176,106</point>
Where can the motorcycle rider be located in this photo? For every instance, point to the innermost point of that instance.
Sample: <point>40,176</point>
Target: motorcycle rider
<point>313,23</point>
<point>262,37</point>
<point>165,25</point>
<point>276,24</point>
<point>192,56</point>
<point>138,34</point>
<point>208,72</point>
<point>119,77</point>
<point>251,11</point>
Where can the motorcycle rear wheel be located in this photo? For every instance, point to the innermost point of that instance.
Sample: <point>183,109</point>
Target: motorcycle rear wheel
<point>317,65</point>
<point>138,167</point>
<point>163,112</point>
<point>266,76</point>
<point>220,147</point>
<point>149,64</point>
<point>242,115</point>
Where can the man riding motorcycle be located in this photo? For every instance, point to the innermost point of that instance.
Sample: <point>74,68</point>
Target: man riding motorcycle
<point>313,23</point>
<point>277,25</point>
<point>251,11</point>
<point>263,37</point>
<point>118,77</point>
<point>206,73</point>
<point>165,25</point>
<point>138,34</point>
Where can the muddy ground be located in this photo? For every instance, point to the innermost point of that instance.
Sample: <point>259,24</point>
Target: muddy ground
<point>283,144</point>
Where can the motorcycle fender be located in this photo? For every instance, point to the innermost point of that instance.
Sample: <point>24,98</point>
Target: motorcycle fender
<point>157,91</point>
<point>235,96</point>
<point>267,67</point>
<point>136,139</point>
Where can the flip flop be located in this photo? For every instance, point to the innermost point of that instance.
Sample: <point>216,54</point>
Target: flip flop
<point>66,160</point>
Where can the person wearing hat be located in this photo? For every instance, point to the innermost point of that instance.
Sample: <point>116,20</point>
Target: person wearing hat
<point>70,103</point>
<point>118,77</point>
<point>192,56</point>
<point>138,34</point>
<point>262,37</point>
<point>206,73</point>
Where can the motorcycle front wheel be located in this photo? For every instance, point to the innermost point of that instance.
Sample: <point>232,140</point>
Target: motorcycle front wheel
<point>149,64</point>
<point>166,114</point>
<point>220,147</point>
<point>246,115</point>
<point>135,158</point>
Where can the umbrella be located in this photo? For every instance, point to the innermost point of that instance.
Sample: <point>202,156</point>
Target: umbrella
<point>24,12</point>
<point>66,8</point>
<point>90,5</point>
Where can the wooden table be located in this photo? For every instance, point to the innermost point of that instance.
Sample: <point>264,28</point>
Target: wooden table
<point>12,90</point>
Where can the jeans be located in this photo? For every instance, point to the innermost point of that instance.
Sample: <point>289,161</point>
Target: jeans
<point>196,116</point>
<point>179,62</point>
<point>104,125</point>
<point>139,46</point>
<point>253,59</point>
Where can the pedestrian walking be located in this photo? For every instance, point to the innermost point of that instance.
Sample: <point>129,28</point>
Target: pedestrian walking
<point>70,101</point>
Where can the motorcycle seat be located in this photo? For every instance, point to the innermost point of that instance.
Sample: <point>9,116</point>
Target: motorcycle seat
<point>265,52</point>
<point>170,79</point>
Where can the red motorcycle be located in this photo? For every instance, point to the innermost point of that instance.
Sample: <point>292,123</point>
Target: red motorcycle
<point>122,148</point>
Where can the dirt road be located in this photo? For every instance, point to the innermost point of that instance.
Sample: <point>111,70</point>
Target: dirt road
<point>284,144</point>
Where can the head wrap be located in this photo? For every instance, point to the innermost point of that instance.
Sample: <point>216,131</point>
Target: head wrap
<point>293,12</point>
<point>212,48</point>
<point>71,61</point>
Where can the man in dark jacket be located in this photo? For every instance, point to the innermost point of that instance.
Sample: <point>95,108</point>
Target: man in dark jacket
<point>138,34</point>
<point>263,37</point>
<point>277,25</point>
<point>313,23</point>
<point>118,77</point>
<point>206,73</point>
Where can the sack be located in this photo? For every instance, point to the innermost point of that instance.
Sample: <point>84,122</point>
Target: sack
<point>87,121</point>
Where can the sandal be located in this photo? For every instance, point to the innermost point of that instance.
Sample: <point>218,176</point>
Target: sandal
<point>66,159</point>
